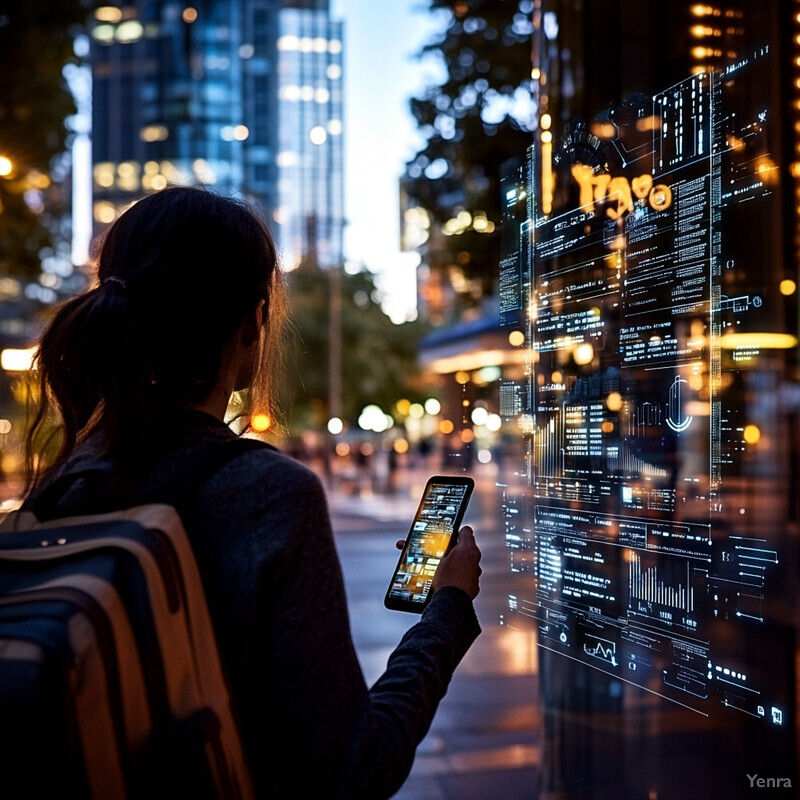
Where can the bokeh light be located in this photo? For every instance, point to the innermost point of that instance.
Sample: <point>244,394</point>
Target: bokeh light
<point>494,422</point>
<point>318,135</point>
<point>433,406</point>
<point>416,411</point>
<point>751,434</point>
<point>260,422</point>
<point>584,353</point>
<point>400,446</point>
<point>372,418</point>
<point>479,416</point>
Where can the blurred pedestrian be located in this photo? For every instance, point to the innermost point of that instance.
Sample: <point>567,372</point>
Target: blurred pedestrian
<point>391,469</point>
<point>140,369</point>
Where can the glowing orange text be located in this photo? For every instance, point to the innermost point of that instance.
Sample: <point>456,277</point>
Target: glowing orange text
<point>617,193</point>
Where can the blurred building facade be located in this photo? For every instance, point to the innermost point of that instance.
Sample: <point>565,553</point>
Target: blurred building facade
<point>310,155</point>
<point>245,97</point>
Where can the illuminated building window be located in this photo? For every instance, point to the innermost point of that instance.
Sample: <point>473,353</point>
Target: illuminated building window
<point>290,93</point>
<point>287,158</point>
<point>318,135</point>
<point>154,183</point>
<point>128,176</point>
<point>103,34</point>
<point>154,133</point>
<point>104,175</point>
<point>234,133</point>
<point>108,14</point>
<point>204,172</point>
<point>104,212</point>
<point>288,42</point>
<point>129,32</point>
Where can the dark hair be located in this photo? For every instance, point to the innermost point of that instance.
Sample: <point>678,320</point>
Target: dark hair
<point>178,274</point>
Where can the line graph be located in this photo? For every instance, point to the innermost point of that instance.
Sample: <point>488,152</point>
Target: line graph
<point>602,649</point>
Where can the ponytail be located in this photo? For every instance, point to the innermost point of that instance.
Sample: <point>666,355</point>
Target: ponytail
<point>91,367</point>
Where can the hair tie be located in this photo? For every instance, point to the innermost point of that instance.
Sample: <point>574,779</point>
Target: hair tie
<point>116,279</point>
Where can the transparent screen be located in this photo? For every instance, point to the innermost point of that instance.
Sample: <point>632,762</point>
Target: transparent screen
<point>651,526</point>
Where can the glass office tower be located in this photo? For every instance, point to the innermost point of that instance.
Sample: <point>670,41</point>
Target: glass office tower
<point>310,156</point>
<point>213,94</point>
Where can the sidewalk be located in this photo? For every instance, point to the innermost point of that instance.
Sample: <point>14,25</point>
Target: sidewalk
<point>483,743</point>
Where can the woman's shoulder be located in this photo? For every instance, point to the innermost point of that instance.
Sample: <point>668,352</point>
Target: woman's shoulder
<point>264,489</point>
<point>263,470</point>
<point>260,459</point>
<point>206,453</point>
<point>198,437</point>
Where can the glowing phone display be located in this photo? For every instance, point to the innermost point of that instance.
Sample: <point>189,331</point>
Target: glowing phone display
<point>433,532</point>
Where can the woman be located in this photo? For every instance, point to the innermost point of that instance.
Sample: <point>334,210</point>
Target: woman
<point>141,369</point>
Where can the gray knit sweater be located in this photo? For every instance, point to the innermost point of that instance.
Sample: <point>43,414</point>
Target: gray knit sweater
<point>262,537</point>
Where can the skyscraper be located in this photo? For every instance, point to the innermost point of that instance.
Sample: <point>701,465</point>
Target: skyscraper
<point>310,156</point>
<point>241,96</point>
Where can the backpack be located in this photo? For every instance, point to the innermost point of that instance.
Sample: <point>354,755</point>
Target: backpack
<point>111,685</point>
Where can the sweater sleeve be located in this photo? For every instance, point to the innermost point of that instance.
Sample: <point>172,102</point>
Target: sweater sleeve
<point>405,698</point>
<point>312,725</point>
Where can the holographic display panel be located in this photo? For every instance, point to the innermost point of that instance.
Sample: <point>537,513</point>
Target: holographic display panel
<point>648,528</point>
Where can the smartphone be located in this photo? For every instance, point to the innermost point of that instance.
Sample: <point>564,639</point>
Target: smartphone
<point>433,532</point>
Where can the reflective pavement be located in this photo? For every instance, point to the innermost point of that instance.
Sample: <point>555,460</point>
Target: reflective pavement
<point>483,743</point>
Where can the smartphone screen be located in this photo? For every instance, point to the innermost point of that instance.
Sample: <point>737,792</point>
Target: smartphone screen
<point>433,532</point>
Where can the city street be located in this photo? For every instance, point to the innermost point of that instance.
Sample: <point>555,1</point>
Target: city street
<point>483,743</point>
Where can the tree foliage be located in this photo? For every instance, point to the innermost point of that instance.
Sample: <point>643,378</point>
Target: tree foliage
<point>478,118</point>
<point>378,358</point>
<point>36,42</point>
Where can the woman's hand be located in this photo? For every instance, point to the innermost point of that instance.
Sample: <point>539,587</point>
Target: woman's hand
<point>461,567</point>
